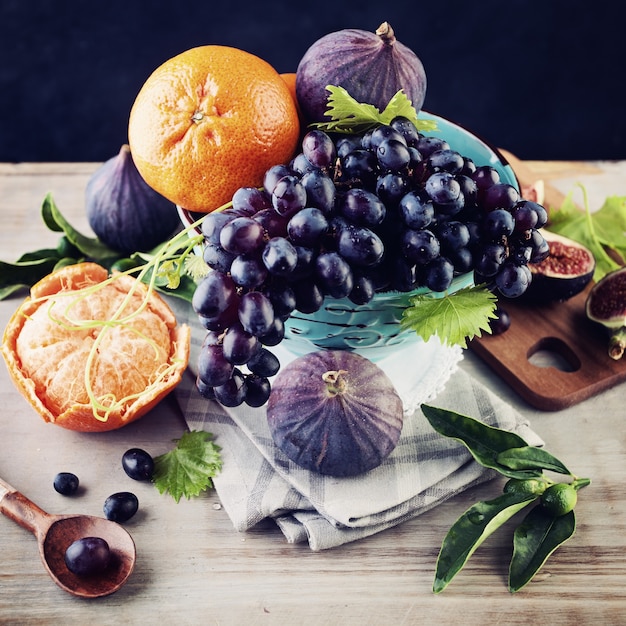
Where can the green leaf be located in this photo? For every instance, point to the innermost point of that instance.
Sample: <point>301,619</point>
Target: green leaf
<point>24,274</point>
<point>531,457</point>
<point>187,470</point>
<point>350,116</point>
<point>484,442</point>
<point>469,532</point>
<point>534,540</point>
<point>600,231</point>
<point>454,317</point>
<point>89,246</point>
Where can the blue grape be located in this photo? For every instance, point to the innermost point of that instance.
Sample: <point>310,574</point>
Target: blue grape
<point>213,367</point>
<point>393,154</point>
<point>307,227</point>
<point>264,363</point>
<point>333,274</point>
<point>439,274</point>
<point>319,149</point>
<point>419,246</point>
<point>238,345</point>
<point>66,483</point>
<point>289,195</point>
<point>512,280</point>
<point>258,390</point>
<point>256,313</point>
<point>320,191</point>
<point>233,392</point>
<point>360,246</point>
<point>243,235</point>
<point>88,556</point>
<point>362,207</point>
<point>248,272</point>
<point>121,506</point>
<point>445,161</point>
<point>415,211</point>
<point>279,256</point>
<point>138,464</point>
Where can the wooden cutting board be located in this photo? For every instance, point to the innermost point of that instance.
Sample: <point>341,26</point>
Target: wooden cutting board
<point>552,355</point>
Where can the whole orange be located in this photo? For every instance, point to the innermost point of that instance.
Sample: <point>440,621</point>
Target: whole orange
<point>208,121</point>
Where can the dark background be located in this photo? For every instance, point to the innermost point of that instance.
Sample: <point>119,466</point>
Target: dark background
<point>542,78</point>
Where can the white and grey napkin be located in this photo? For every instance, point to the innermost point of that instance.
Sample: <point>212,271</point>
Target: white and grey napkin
<point>257,481</point>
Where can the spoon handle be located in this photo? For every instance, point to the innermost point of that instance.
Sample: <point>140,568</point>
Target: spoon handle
<point>22,511</point>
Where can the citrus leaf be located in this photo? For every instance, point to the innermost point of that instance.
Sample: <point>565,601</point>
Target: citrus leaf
<point>470,530</point>
<point>90,246</point>
<point>454,318</point>
<point>534,540</point>
<point>484,442</point>
<point>187,470</point>
<point>531,457</point>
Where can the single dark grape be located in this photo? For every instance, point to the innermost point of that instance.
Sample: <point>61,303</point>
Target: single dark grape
<point>485,176</point>
<point>497,224</point>
<point>393,154</point>
<point>360,246</point>
<point>88,556</point>
<point>258,390</point>
<point>489,259</point>
<point>238,345</point>
<point>419,246</point>
<point>243,235</point>
<point>319,149</point>
<point>264,363</point>
<point>214,295</point>
<point>320,190</point>
<point>217,258</point>
<point>273,224</point>
<point>66,483</point>
<point>384,132</point>
<point>391,187</point>
<point>415,211</point>
<point>333,274</point>
<point>250,200</point>
<point>407,129</point>
<point>289,196</point>
<point>256,313</point>
<point>501,323</point>
<point>233,392</point>
<point>445,161</point>
<point>301,165</point>
<point>363,289</point>
<point>428,145</point>
<point>121,506</point>
<point>248,271</point>
<point>512,280</point>
<point>213,367</point>
<point>275,334</point>
<point>439,274</point>
<point>499,196</point>
<point>138,464</point>
<point>273,175</point>
<point>362,207</point>
<point>282,298</point>
<point>213,223</point>
<point>346,144</point>
<point>307,227</point>
<point>280,256</point>
<point>453,235</point>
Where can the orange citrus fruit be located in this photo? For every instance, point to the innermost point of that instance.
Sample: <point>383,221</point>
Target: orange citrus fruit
<point>208,121</point>
<point>92,354</point>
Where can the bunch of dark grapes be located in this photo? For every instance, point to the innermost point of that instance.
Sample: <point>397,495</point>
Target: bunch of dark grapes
<point>350,216</point>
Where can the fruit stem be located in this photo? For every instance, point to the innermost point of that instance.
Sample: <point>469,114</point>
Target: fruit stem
<point>385,32</point>
<point>617,343</point>
<point>335,381</point>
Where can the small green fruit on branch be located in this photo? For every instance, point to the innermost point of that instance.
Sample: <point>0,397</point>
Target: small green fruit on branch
<point>547,525</point>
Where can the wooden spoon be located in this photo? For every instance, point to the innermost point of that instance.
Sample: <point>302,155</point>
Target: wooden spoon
<point>55,533</point>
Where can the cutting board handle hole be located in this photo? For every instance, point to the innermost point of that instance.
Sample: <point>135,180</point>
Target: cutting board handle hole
<point>553,352</point>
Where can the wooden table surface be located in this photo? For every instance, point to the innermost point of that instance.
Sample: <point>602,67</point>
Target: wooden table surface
<point>193,567</point>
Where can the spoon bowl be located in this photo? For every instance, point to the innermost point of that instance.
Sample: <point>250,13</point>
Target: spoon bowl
<point>55,533</point>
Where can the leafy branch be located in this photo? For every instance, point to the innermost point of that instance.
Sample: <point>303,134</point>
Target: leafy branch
<point>546,526</point>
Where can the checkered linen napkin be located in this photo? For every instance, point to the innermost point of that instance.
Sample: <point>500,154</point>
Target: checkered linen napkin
<point>257,481</point>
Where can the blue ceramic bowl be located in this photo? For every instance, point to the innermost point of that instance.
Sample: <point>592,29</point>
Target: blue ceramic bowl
<point>374,329</point>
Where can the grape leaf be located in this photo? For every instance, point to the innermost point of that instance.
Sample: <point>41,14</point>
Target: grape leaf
<point>602,231</point>
<point>454,318</point>
<point>187,469</point>
<point>350,116</point>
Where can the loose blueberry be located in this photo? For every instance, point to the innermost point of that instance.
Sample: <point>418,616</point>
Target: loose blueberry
<point>138,464</point>
<point>66,483</point>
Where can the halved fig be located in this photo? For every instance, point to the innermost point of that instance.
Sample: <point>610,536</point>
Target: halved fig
<point>566,271</point>
<point>606,304</point>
